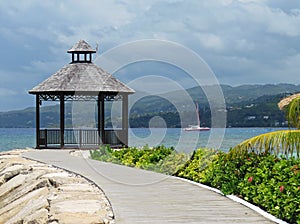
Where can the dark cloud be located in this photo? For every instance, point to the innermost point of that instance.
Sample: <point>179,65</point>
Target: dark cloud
<point>243,41</point>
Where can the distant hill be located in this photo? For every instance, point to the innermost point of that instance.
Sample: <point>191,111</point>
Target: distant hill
<point>26,118</point>
<point>247,106</point>
<point>243,93</point>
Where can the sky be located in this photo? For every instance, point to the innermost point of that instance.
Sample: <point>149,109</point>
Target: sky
<point>242,41</point>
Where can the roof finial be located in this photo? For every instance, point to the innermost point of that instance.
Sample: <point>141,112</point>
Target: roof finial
<point>97,45</point>
<point>81,47</point>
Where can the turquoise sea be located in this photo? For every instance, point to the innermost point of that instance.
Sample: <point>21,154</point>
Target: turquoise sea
<point>20,138</point>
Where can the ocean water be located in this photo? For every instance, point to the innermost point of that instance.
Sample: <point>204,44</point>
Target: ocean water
<point>16,138</point>
<point>20,138</point>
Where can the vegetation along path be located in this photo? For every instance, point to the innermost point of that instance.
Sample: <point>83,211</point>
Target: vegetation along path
<point>139,196</point>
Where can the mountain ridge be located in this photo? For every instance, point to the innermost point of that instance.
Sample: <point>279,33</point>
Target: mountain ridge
<point>243,103</point>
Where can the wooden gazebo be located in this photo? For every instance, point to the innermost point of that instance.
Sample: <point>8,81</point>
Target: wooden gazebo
<point>81,80</point>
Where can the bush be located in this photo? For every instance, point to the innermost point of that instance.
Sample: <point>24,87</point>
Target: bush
<point>268,181</point>
<point>193,168</point>
<point>263,179</point>
<point>274,185</point>
<point>172,163</point>
<point>159,159</point>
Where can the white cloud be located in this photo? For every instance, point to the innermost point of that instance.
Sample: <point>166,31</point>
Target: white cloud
<point>244,45</point>
<point>284,24</point>
<point>252,1</point>
<point>42,67</point>
<point>211,41</point>
<point>275,20</point>
<point>7,92</point>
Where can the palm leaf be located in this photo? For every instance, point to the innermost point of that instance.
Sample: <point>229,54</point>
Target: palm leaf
<point>293,113</point>
<point>286,142</point>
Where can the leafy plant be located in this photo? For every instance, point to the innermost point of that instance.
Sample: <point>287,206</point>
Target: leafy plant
<point>285,142</point>
<point>274,186</point>
<point>293,113</point>
<point>198,162</point>
<point>104,153</point>
<point>262,178</point>
<point>160,158</point>
<point>172,163</point>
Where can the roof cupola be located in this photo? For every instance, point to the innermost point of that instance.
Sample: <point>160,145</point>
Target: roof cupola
<point>81,52</point>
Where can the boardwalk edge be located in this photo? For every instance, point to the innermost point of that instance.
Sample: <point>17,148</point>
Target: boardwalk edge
<point>238,200</point>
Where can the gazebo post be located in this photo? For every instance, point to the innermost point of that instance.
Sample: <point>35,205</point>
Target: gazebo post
<point>125,119</point>
<point>37,122</point>
<point>98,117</point>
<point>62,121</point>
<point>101,118</point>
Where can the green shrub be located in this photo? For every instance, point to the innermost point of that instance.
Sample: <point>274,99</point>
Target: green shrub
<point>268,181</point>
<point>172,163</point>
<point>103,154</point>
<point>263,179</point>
<point>160,158</point>
<point>193,168</point>
<point>274,186</point>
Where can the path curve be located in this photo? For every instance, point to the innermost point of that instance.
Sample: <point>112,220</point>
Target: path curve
<point>164,199</point>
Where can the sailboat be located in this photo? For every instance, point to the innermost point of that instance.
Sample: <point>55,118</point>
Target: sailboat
<point>197,127</point>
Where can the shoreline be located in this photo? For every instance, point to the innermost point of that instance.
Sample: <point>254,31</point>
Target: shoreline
<point>21,138</point>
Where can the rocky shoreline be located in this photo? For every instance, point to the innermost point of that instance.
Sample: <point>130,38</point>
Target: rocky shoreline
<point>33,192</point>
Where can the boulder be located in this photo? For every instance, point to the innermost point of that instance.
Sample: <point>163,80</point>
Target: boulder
<point>36,193</point>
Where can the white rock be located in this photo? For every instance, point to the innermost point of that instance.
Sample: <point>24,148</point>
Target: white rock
<point>38,217</point>
<point>74,206</point>
<point>35,193</point>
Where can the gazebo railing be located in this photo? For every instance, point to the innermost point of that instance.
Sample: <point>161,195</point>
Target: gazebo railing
<point>83,138</point>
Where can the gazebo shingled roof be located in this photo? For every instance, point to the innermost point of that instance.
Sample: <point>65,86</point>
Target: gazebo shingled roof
<point>81,77</point>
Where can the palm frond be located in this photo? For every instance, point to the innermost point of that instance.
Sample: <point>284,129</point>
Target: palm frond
<point>293,113</point>
<point>286,142</point>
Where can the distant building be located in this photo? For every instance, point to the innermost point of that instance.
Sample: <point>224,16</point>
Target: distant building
<point>249,106</point>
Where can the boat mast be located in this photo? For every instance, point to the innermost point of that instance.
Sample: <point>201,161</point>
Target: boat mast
<point>198,115</point>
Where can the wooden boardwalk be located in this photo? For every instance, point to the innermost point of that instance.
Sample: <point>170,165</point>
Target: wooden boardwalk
<point>139,196</point>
